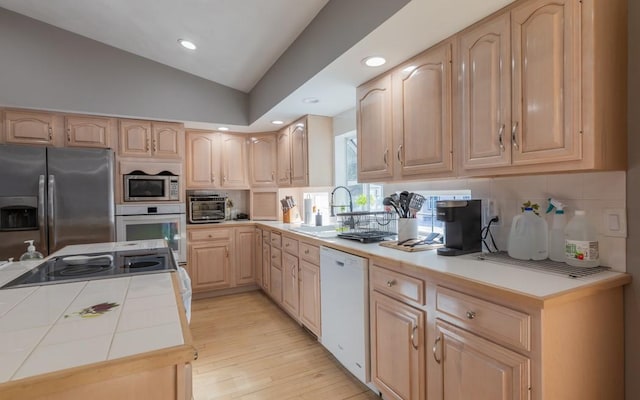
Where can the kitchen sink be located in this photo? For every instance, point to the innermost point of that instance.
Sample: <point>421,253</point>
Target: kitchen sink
<point>324,231</point>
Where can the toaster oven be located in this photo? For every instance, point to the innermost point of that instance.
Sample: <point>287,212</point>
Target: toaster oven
<point>205,207</point>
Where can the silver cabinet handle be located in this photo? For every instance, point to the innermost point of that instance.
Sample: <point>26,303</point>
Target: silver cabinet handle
<point>155,145</point>
<point>148,144</point>
<point>500,136</point>
<point>514,140</point>
<point>413,336</point>
<point>384,156</point>
<point>293,272</point>
<point>51,214</point>
<point>391,282</point>
<point>50,133</point>
<point>398,154</point>
<point>41,212</point>
<point>471,314</point>
<point>435,350</point>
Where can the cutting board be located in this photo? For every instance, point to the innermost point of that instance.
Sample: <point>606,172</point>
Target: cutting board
<point>421,247</point>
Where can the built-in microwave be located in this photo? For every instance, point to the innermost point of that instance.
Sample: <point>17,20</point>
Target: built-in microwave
<point>139,186</point>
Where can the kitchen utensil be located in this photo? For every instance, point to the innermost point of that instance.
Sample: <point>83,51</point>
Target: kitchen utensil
<point>415,204</point>
<point>388,201</point>
<point>404,205</point>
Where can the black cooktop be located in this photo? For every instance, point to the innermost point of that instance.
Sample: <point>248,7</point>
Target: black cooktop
<point>97,266</point>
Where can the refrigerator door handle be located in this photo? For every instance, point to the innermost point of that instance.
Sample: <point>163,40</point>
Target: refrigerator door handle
<point>41,222</point>
<point>51,214</point>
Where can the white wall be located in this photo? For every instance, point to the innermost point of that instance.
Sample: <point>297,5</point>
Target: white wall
<point>592,192</point>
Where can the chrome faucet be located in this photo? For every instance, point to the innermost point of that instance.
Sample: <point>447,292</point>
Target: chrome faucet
<point>332,206</point>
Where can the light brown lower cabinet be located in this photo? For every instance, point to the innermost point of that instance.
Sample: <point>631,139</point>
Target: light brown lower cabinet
<point>220,257</point>
<point>290,285</point>
<point>397,348</point>
<point>310,296</point>
<point>475,368</point>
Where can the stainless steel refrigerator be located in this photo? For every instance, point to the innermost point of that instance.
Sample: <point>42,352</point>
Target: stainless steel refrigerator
<point>55,196</point>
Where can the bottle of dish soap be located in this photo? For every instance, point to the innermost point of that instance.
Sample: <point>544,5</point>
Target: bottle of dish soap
<point>581,244</point>
<point>31,253</point>
<point>556,233</point>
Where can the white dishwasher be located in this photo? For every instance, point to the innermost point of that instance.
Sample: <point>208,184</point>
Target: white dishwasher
<point>344,294</point>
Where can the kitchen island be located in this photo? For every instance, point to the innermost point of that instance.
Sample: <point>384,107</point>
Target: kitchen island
<point>125,337</point>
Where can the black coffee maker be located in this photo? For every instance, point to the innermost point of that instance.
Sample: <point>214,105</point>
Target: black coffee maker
<point>462,228</point>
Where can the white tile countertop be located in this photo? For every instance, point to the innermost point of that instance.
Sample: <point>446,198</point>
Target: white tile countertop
<point>528,282</point>
<point>58,326</point>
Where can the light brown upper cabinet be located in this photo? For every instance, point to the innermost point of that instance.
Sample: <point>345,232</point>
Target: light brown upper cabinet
<point>543,88</point>
<point>151,139</point>
<point>216,160</point>
<point>234,161</point>
<point>26,127</point>
<point>374,125</point>
<point>88,131</point>
<point>297,165</point>
<point>263,160</point>
<point>422,119</point>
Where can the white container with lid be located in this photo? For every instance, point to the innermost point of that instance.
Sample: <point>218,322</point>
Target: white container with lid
<point>528,238</point>
<point>581,242</point>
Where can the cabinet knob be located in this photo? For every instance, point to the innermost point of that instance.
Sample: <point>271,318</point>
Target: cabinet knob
<point>306,251</point>
<point>209,235</point>
<point>391,283</point>
<point>471,314</point>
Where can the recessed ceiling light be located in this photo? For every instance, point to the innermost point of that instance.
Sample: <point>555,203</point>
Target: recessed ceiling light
<point>223,128</point>
<point>310,100</point>
<point>187,44</point>
<point>374,61</point>
<point>277,122</point>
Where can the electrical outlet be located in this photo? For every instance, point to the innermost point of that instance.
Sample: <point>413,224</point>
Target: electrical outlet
<point>489,211</point>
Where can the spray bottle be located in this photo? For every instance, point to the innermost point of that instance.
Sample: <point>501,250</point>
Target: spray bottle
<point>556,233</point>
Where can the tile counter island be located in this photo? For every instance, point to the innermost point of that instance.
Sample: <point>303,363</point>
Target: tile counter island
<point>125,337</point>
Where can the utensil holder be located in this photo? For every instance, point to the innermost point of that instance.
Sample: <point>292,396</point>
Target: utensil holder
<point>291,215</point>
<point>407,229</point>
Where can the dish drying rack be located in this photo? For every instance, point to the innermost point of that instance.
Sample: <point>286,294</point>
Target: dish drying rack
<point>367,226</point>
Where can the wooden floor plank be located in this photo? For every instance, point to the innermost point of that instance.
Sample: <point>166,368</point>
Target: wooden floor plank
<point>249,349</point>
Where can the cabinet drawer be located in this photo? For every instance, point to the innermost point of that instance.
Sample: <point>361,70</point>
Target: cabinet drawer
<point>399,286</point>
<point>310,253</point>
<point>276,239</point>
<point>276,257</point>
<point>290,245</point>
<point>210,234</point>
<point>482,317</point>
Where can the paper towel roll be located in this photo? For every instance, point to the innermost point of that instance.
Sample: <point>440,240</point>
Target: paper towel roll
<point>308,211</point>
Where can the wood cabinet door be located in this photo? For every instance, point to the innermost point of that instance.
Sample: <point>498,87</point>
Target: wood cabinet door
<point>263,160</point>
<point>135,138</point>
<point>28,127</point>
<point>299,156</point>
<point>397,348</point>
<point>485,54</point>
<point>234,161</point>
<point>422,89</point>
<point>475,368</point>
<point>167,139</point>
<point>87,131</point>
<point>257,256</point>
<point>546,81</point>
<point>244,256</point>
<point>275,286</point>
<point>266,267</point>
<point>283,144</point>
<point>290,286</point>
<point>202,160</point>
<point>310,296</point>
<point>374,125</point>
<point>210,264</point>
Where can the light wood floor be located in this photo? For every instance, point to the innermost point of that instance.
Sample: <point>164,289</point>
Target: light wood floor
<point>250,349</point>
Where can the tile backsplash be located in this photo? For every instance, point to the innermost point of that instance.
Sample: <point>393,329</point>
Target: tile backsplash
<point>593,192</point>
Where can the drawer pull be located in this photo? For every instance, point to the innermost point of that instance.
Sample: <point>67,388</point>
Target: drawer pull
<point>471,314</point>
<point>413,336</point>
<point>306,251</point>
<point>435,349</point>
<point>391,282</point>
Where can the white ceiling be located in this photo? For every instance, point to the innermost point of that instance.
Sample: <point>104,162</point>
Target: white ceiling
<point>239,40</point>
